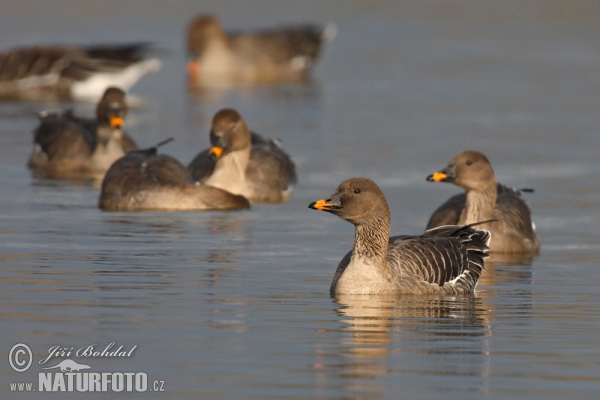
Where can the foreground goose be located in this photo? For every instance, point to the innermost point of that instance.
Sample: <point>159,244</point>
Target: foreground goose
<point>71,73</point>
<point>282,54</point>
<point>68,146</point>
<point>444,260</point>
<point>145,180</point>
<point>244,164</point>
<point>484,200</point>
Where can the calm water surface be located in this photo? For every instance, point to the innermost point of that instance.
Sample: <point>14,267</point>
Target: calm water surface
<point>235,304</point>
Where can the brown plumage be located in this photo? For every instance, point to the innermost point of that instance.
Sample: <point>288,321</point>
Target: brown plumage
<point>485,199</point>
<point>244,163</point>
<point>68,146</point>
<point>445,260</point>
<point>71,73</point>
<point>282,54</point>
<point>145,180</point>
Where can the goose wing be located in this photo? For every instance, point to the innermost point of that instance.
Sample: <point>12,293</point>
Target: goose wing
<point>80,64</point>
<point>72,63</point>
<point>32,62</point>
<point>282,45</point>
<point>513,213</point>
<point>340,270</point>
<point>139,171</point>
<point>270,167</point>
<point>448,254</point>
<point>45,73</point>
<point>60,136</point>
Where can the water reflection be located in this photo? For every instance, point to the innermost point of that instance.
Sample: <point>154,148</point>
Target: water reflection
<point>307,90</point>
<point>224,233</point>
<point>502,266</point>
<point>44,177</point>
<point>380,327</point>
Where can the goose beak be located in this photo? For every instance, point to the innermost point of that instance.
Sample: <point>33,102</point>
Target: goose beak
<point>331,204</point>
<point>116,122</point>
<point>437,177</point>
<point>216,150</point>
<point>445,175</point>
<point>193,70</point>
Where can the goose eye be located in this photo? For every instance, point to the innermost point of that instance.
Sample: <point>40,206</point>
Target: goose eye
<point>469,162</point>
<point>356,191</point>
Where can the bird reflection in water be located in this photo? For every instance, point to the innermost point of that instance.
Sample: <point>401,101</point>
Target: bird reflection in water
<point>377,329</point>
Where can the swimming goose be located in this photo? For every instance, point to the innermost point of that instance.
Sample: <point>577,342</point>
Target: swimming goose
<point>69,146</point>
<point>260,171</point>
<point>444,260</point>
<point>203,165</point>
<point>512,231</point>
<point>282,54</point>
<point>145,180</point>
<point>71,73</point>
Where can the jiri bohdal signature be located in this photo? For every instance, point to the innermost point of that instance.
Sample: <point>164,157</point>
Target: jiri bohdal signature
<point>91,350</point>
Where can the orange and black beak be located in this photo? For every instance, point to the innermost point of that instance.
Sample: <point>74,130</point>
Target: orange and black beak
<point>193,70</point>
<point>445,175</point>
<point>216,151</point>
<point>219,141</point>
<point>116,122</point>
<point>330,204</point>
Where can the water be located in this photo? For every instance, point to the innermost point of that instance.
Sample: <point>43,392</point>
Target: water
<point>236,304</point>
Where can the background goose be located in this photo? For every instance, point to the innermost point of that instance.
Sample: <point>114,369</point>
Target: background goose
<point>145,180</point>
<point>445,260</point>
<point>281,54</point>
<point>244,164</point>
<point>512,231</point>
<point>71,73</point>
<point>203,165</point>
<point>67,145</point>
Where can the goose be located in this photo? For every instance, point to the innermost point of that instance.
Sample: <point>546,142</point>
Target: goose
<point>55,73</point>
<point>283,54</point>
<point>203,164</point>
<point>244,163</point>
<point>445,260</point>
<point>69,146</point>
<point>485,199</point>
<point>145,180</point>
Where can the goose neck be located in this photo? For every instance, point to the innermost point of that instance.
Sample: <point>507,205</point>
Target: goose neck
<point>230,172</point>
<point>371,240</point>
<point>479,205</point>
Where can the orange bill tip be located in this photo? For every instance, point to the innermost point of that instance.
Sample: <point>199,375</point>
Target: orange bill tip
<point>193,67</point>
<point>217,151</point>
<point>319,205</point>
<point>193,71</point>
<point>116,122</point>
<point>439,176</point>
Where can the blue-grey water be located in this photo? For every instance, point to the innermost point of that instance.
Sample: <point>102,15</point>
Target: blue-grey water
<point>235,305</point>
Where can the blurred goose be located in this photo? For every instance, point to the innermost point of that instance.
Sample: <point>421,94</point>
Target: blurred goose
<point>71,73</point>
<point>512,229</point>
<point>244,163</point>
<point>68,145</point>
<point>203,165</point>
<point>444,260</point>
<point>282,54</point>
<point>144,180</point>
